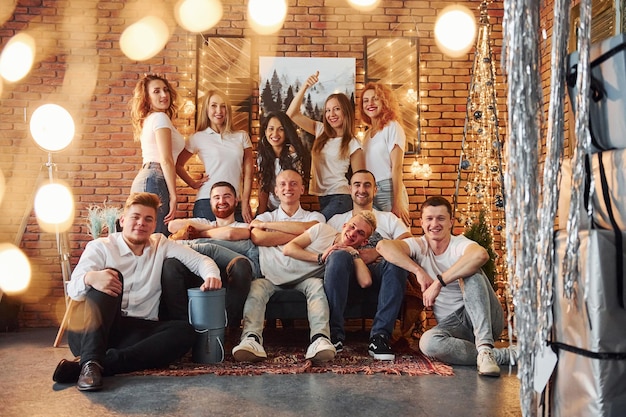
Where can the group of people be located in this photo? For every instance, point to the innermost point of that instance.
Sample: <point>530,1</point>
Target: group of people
<point>130,287</point>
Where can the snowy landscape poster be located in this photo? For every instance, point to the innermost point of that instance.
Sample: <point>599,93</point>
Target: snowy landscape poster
<point>281,78</point>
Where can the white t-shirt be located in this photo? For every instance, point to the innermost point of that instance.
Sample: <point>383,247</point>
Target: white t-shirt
<point>149,149</point>
<point>388,225</point>
<point>328,171</point>
<point>222,156</point>
<point>378,149</point>
<point>280,269</point>
<point>450,297</point>
<point>213,223</point>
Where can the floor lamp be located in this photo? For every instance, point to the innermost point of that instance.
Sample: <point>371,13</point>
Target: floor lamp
<point>52,128</point>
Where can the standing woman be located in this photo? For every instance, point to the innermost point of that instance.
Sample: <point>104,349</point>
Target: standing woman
<point>383,145</point>
<point>226,155</point>
<point>152,108</point>
<point>335,149</point>
<point>279,149</point>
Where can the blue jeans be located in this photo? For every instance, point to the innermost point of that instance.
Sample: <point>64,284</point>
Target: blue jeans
<point>340,283</point>
<point>383,200</point>
<point>202,208</point>
<point>262,289</point>
<point>479,322</point>
<point>151,180</point>
<point>334,204</point>
<point>225,250</point>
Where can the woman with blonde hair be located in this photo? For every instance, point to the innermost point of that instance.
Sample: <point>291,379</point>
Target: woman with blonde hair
<point>226,154</point>
<point>384,144</point>
<point>335,150</point>
<point>152,108</point>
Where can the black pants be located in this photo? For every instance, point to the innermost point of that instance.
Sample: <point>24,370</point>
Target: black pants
<point>177,278</point>
<point>98,331</point>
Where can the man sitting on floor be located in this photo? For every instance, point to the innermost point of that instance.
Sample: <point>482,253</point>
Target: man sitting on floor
<point>389,280</point>
<point>271,231</point>
<point>116,288</point>
<point>224,240</point>
<point>468,312</point>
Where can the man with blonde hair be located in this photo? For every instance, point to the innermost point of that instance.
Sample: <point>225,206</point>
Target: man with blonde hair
<point>116,287</point>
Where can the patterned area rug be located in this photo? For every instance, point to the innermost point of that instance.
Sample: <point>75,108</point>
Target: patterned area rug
<point>285,350</point>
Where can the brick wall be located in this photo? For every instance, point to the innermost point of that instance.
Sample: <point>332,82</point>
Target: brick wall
<point>79,65</point>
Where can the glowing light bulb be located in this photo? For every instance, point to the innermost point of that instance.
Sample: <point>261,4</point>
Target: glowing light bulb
<point>455,30</point>
<point>54,207</point>
<point>17,57</point>
<point>15,273</point>
<point>266,16</point>
<point>198,15</point>
<point>364,5</point>
<point>144,39</point>
<point>52,127</point>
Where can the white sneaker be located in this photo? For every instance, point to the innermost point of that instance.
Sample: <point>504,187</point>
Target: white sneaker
<point>321,350</point>
<point>506,356</point>
<point>249,350</point>
<point>486,363</point>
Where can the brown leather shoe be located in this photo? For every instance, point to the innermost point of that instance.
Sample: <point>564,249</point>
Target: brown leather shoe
<point>90,378</point>
<point>66,372</point>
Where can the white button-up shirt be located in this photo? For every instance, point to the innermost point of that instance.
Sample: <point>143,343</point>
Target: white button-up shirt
<point>142,274</point>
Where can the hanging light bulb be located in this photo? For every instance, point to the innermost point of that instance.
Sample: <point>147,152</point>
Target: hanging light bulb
<point>198,15</point>
<point>364,5</point>
<point>455,30</point>
<point>15,273</point>
<point>266,16</point>
<point>17,57</point>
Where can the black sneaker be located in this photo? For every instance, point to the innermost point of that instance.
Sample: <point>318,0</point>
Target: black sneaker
<point>379,348</point>
<point>338,346</point>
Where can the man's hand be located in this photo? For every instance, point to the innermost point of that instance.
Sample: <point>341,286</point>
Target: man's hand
<point>430,293</point>
<point>211,284</point>
<point>106,281</point>
<point>256,224</point>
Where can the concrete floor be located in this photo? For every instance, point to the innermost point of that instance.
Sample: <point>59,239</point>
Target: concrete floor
<point>27,360</point>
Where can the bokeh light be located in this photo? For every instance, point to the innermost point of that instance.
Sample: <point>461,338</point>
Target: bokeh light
<point>266,16</point>
<point>2,186</point>
<point>17,57</point>
<point>364,5</point>
<point>15,273</point>
<point>52,127</point>
<point>7,9</point>
<point>144,39</point>
<point>455,30</point>
<point>198,15</point>
<point>54,207</point>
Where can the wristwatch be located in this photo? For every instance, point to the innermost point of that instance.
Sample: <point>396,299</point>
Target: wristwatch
<point>356,255</point>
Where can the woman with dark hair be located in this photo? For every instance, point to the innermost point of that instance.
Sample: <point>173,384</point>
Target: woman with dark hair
<point>226,154</point>
<point>335,150</point>
<point>152,108</point>
<point>384,145</point>
<point>279,149</point>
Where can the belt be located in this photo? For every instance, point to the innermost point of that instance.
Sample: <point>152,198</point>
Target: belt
<point>149,165</point>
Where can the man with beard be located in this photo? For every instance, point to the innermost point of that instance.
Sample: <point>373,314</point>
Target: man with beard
<point>389,281</point>
<point>114,325</point>
<point>224,240</point>
<point>448,269</point>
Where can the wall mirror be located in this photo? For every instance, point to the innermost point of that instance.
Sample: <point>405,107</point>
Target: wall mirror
<point>224,63</point>
<point>395,62</point>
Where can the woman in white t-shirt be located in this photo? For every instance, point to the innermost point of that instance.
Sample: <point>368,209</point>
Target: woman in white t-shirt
<point>152,108</point>
<point>335,150</point>
<point>384,144</point>
<point>226,154</point>
<point>279,149</point>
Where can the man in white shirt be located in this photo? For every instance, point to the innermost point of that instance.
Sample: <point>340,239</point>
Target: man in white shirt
<point>116,288</point>
<point>389,281</point>
<point>271,231</point>
<point>448,269</point>
<point>224,240</point>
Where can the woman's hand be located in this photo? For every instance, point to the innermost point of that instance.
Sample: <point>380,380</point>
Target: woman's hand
<point>200,182</point>
<point>402,212</point>
<point>171,214</point>
<point>246,212</point>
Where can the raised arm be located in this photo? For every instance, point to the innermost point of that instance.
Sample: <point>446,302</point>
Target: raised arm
<point>294,112</point>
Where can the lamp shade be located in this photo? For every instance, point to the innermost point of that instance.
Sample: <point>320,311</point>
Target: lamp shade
<point>54,207</point>
<point>455,30</point>
<point>15,273</point>
<point>52,127</point>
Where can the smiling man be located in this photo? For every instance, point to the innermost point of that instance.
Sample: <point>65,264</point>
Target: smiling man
<point>116,287</point>
<point>448,269</point>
